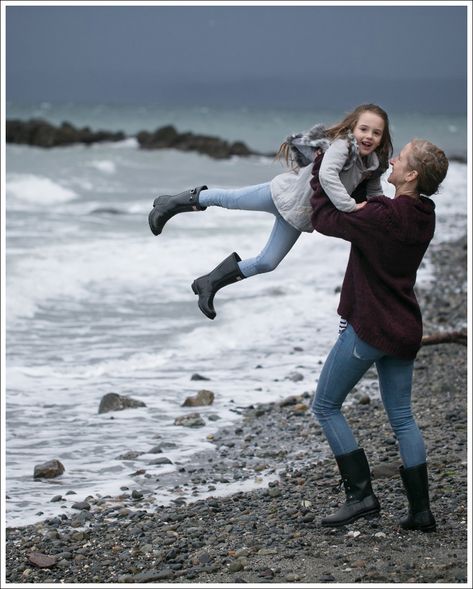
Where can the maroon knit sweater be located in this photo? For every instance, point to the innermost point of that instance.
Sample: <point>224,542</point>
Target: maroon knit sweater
<point>389,238</point>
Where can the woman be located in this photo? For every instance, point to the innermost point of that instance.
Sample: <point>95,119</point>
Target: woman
<point>389,238</point>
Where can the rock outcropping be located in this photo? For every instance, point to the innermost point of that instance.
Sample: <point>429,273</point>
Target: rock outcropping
<point>168,137</point>
<point>40,133</point>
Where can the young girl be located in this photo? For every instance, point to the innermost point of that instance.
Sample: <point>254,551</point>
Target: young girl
<point>356,149</point>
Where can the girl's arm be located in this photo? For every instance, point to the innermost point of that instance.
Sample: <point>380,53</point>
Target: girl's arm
<point>334,159</point>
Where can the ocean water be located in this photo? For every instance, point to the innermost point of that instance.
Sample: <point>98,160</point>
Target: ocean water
<point>96,304</point>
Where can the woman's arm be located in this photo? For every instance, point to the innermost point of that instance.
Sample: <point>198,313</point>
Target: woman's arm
<point>355,227</point>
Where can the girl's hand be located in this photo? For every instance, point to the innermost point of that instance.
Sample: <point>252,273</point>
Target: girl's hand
<point>360,205</point>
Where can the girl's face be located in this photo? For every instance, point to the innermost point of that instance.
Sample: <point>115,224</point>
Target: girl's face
<point>368,132</point>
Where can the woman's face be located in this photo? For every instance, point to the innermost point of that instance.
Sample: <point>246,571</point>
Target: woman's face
<point>400,166</point>
<point>368,132</point>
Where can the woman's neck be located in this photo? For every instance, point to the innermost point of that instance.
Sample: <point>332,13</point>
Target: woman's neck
<point>406,190</point>
<point>414,195</point>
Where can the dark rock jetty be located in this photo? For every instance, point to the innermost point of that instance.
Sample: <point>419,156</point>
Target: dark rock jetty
<point>40,133</point>
<point>272,534</point>
<point>169,138</point>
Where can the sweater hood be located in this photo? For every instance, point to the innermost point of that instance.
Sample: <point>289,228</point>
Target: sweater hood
<point>413,220</point>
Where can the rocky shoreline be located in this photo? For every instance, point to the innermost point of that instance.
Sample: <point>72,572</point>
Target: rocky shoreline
<point>41,133</point>
<point>272,534</point>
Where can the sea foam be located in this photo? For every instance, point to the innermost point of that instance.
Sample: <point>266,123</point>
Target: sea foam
<point>39,190</point>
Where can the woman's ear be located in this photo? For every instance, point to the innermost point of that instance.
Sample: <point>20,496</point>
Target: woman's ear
<point>412,175</point>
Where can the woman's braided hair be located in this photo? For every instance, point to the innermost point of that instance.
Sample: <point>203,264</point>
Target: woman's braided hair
<point>430,163</point>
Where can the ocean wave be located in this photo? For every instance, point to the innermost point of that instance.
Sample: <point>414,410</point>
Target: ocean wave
<point>37,189</point>
<point>125,143</point>
<point>106,166</point>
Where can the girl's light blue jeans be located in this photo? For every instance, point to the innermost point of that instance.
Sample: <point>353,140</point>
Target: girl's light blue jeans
<point>347,362</point>
<point>256,198</point>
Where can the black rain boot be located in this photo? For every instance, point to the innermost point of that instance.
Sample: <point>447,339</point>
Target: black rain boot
<point>227,272</point>
<point>416,484</point>
<point>165,207</point>
<point>356,478</point>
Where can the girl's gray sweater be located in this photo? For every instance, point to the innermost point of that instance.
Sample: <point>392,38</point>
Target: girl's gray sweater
<point>341,172</point>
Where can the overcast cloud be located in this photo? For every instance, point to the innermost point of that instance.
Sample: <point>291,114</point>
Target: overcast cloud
<point>406,57</point>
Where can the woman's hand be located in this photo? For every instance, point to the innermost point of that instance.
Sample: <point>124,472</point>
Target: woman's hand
<point>360,205</point>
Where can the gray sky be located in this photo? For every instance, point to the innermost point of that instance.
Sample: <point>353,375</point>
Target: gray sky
<point>405,57</point>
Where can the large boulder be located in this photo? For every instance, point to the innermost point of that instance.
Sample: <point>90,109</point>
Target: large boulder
<point>202,398</point>
<point>48,470</point>
<point>116,402</point>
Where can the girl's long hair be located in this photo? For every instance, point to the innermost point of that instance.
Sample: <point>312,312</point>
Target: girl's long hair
<point>284,154</point>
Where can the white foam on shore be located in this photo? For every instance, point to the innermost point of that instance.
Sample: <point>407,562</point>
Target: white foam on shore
<point>39,190</point>
<point>105,166</point>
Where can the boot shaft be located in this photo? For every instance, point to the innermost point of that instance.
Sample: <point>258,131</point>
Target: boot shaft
<point>416,484</point>
<point>355,472</point>
<point>182,202</point>
<point>227,272</point>
<point>415,481</point>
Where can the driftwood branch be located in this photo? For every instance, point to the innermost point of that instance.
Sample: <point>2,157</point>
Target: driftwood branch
<point>447,337</point>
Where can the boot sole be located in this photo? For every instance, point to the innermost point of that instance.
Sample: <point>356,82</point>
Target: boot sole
<point>195,288</point>
<point>425,529</point>
<point>366,514</point>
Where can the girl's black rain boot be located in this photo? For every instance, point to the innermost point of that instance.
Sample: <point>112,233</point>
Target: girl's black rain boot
<point>360,499</point>
<point>165,207</point>
<point>227,272</point>
<point>416,484</point>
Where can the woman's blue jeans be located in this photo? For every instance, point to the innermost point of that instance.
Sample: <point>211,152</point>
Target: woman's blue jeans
<point>256,198</point>
<point>347,362</point>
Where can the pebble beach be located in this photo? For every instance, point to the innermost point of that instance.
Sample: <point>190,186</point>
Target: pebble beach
<point>271,534</point>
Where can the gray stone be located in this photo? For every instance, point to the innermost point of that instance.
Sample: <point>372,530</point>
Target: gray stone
<point>129,455</point>
<point>191,420</point>
<point>48,470</point>
<point>162,460</point>
<point>196,376</point>
<point>116,402</point>
<point>81,505</point>
<point>43,561</point>
<point>202,399</point>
